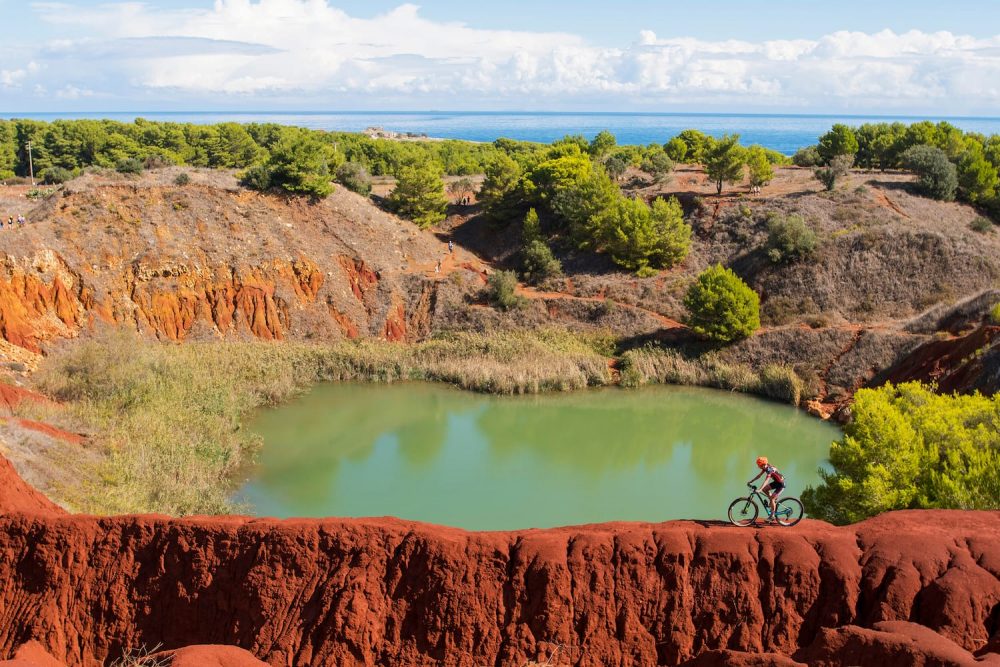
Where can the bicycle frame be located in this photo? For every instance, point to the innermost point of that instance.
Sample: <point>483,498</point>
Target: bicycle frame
<point>766,503</point>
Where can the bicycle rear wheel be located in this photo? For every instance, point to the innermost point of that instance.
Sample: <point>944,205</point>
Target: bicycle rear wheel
<point>789,511</point>
<point>743,512</point>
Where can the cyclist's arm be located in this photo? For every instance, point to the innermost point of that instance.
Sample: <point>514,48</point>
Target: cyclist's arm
<point>756,478</point>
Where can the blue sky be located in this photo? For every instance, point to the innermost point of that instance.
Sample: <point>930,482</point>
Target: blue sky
<point>807,56</point>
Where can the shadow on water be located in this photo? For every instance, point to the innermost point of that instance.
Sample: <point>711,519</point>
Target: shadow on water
<point>433,453</point>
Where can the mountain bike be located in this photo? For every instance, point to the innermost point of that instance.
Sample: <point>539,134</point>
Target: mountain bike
<point>744,511</point>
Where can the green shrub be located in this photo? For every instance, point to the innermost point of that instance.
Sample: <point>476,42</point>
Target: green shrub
<point>839,141</point>
<point>839,167</point>
<point>129,165</point>
<point>498,193</point>
<point>182,179</point>
<point>355,178</point>
<point>908,447</point>
<point>579,204</point>
<point>981,225</point>
<point>676,149</point>
<point>501,290</point>
<point>938,176</point>
<point>789,238</point>
<point>759,166</point>
<point>995,314</point>
<point>658,165</point>
<point>531,230</point>
<point>257,177</point>
<point>538,262</point>
<point>721,306</point>
<point>56,176</point>
<point>807,156</point>
<point>300,163</point>
<point>642,237</point>
<point>419,194</point>
<point>40,193</point>
<point>615,166</point>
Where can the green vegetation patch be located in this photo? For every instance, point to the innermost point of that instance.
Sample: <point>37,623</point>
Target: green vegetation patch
<point>721,307</point>
<point>910,448</point>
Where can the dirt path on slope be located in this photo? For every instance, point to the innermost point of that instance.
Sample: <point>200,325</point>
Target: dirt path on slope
<point>533,293</point>
<point>884,200</point>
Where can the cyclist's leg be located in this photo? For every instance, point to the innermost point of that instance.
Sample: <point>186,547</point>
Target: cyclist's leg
<point>774,498</point>
<point>770,499</point>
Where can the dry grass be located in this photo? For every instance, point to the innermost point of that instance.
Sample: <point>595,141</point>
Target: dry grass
<point>168,417</point>
<point>665,366</point>
<point>142,657</point>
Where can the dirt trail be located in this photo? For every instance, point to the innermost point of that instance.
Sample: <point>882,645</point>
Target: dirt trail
<point>533,293</point>
<point>884,200</point>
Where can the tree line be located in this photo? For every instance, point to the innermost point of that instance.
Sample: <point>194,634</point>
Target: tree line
<point>72,145</point>
<point>950,164</point>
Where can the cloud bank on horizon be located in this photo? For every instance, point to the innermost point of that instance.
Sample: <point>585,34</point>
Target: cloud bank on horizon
<point>304,54</point>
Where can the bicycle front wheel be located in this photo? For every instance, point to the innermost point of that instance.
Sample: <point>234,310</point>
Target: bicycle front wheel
<point>743,512</point>
<point>789,511</point>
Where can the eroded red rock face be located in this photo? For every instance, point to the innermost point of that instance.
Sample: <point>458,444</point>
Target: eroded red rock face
<point>382,591</point>
<point>18,496</point>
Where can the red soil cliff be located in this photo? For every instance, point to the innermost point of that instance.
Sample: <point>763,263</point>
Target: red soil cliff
<point>383,591</point>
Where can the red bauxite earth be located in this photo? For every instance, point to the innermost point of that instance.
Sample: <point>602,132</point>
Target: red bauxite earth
<point>905,588</point>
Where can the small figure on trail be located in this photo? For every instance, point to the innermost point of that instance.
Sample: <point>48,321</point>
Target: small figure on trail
<point>774,483</point>
<point>10,222</point>
<point>451,246</point>
<point>437,268</point>
<point>20,220</point>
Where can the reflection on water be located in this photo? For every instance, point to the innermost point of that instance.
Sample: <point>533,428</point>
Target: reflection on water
<point>433,453</point>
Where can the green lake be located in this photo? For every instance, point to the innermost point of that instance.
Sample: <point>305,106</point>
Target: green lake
<point>433,453</point>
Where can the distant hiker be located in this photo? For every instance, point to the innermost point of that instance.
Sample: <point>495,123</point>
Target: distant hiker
<point>20,220</point>
<point>451,247</point>
<point>437,269</point>
<point>10,222</point>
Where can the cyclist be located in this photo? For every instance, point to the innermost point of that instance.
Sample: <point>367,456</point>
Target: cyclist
<point>774,483</point>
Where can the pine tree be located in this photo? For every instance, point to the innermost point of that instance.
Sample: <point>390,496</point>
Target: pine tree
<point>721,306</point>
<point>419,194</point>
<point>724,160</point>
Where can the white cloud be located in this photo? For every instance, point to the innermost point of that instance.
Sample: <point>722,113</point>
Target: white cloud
<point>310,50</point>
<point>13,78</point>
<point>71,92</point>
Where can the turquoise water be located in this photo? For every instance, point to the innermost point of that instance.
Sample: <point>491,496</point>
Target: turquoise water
<point>433,453</point>
<point>785,133</point>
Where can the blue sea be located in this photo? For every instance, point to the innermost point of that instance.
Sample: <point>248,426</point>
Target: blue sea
<point>782,132</point>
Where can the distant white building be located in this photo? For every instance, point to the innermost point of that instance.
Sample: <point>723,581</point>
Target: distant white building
<point>379,132</point>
